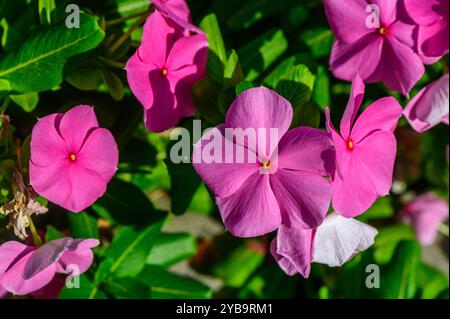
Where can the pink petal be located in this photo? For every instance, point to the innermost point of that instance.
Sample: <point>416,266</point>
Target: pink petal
<point>308,150</point>
<point>430,106</point>
<point>433,40</point>
<point>3,292</point>
<point>260,108</point>
<point>158,37</point>
<point>188,51</point>
<point>388,11</point>
<point>252,210</point>
<point>426,12</point>
<point>178,11</point>
<point>401,67</point>
<point>354,102</point>
<point>100,154</point>
<point>79,254</point>
<point>362,57</point>
<point>293,249</point>
<point>338,239</point>
<point>47,144</point>
<point>405,33</point>
<point>10,252</point>
<point>383,115</point>
<point>223,178</point>
<point>76,124</point>
<point>52,289</point>
<point>13,280</point>
<point>303,198</point>
<point>347,19</point>
<point>182,81</point>
<point>139,81</point>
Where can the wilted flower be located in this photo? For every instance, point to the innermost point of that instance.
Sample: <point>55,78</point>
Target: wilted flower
<point>285,185</point>
<point>26,269</point>
<point>164,69</point>
<point>72,158</point>
<point>333,243</point>
<point>430,106</point>
<point>365,152</point>
<point>426,212</point>
<point>380,52</point>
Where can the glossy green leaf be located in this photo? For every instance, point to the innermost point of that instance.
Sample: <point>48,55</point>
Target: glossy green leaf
<point>169,249</point>
<point>83,225</point>
<point>296,85</point>
<point>27,101</point>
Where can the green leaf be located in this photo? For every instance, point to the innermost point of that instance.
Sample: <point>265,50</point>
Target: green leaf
<point>233,72</point>
<point>52,233</point>
<point>27,101</point>
<point>127,288</point>
<point>169,249</point>
<point>129,250</point>
<point>321,92</point>
<point>113,83</point>
<point>38,64</point>
<point>165,285</point>
<point>236,268</point>
<point>399,278</point>
<point>243,86</point>
<point>83,78</point>
<point>206,98</point>
<point>381,209</point>
<point>86,290</point>
<point>47,11</point>
<point>431,282</point>
<point>252,11</point>
<point>259,54</point>
<point>387,240</point>
<point>217,56</point>
<point>83,225</point>
<point>126,204</point>
<point>296,85</point>
<point>307,114</point>
<point>319,40</point>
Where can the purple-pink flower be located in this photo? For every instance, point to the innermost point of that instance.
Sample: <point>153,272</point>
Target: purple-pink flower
<point>432,16</point>
<point>381,50</point>
<point>430,106</point>
<point>365,152</point>
<point>285,184</point>
<point>333,243</point>
<point>72,158</point>
<point>27,269</point>
<point>178,11</point>
<point>426,213</point>
<point>164,69</point>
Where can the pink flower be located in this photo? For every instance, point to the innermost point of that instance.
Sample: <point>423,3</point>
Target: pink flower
<point>26,269</point>
<point>284,185</point>
<point>72,159</point>
<point>178,11</point>
<point>430,106</point>
<point>426,212</point>
<point>432,16</point>
<point>383,52</point>
<point>164,69</point>
<point>365,152</point>
<point>333,243</point>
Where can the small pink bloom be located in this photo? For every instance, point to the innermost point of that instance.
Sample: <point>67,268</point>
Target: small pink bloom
<point>164,69</point>
<point>430,106</point>
<point>426,212</point>
<point>26,269</point>
<point>432,16</point>
<point>72,159</point>
<point>284,187</point>
<point>378,54</point>
<point>365,152</point>
<point>178,11</point>
<point>333,243</point>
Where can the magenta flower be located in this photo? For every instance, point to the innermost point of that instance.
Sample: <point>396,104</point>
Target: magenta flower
<point>164,69</point>
<point>432,16</point>
<point>365,152</point>
<point>284,185</point>
<point>333,243</point>
<point>26,269</point>
<point>430,106</point>
<point>378,50</point>
<point>426,212</point>
<point>72,159</point>
<point>178,11</point>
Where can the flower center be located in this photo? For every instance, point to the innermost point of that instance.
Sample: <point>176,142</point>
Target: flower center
<point>72,157</point>
<point>350,145</point>
<point>266,164</point>
<point>164,72</point>
<point>382,31</point>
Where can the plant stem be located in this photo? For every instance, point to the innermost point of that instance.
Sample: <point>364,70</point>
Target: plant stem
<point>36,238</point>
<point>123,19</point>
<point>113,64</point>
<point>125,36</point>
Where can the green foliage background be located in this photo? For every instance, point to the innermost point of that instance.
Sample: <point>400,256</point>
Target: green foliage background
<point>157,215</point>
